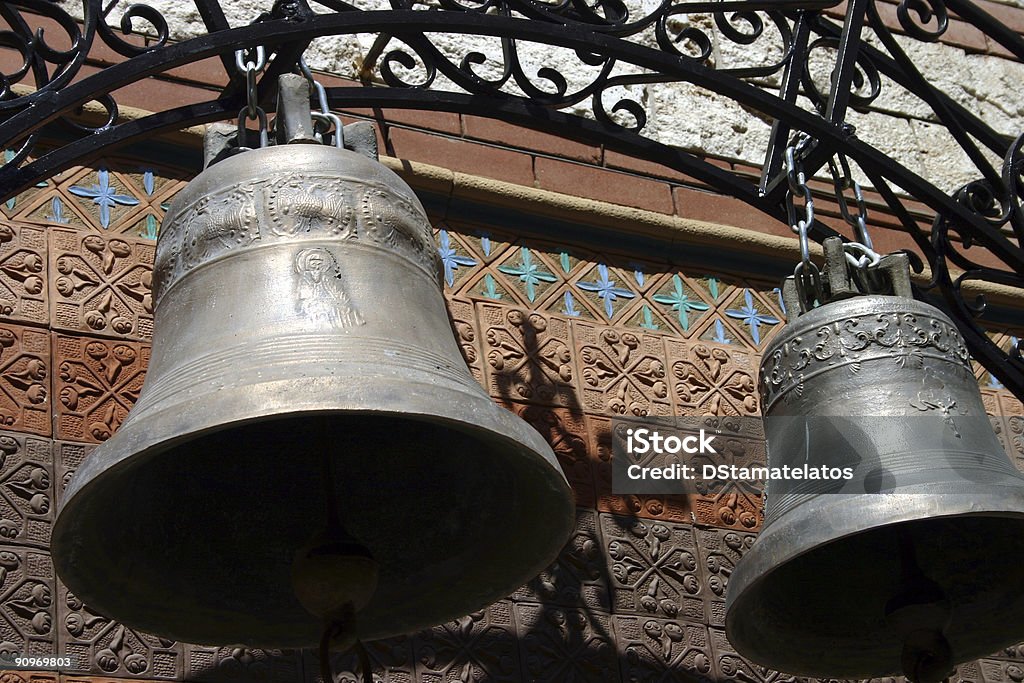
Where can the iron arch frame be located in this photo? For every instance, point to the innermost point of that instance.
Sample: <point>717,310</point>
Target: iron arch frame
<point>620,48</point>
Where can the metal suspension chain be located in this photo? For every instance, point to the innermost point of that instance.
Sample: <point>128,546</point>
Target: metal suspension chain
<point>842,180</point>
<point>806,275</point>
<point>861,258</point>
<point>251,68</point>
<point>324,118</point>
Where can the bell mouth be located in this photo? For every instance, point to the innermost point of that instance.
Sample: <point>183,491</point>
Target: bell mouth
<point>845,578</point>
<point>456,516</point>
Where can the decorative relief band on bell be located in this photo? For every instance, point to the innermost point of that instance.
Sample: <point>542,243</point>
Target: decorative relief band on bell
<point>283,208</point>
<point>904,338</point>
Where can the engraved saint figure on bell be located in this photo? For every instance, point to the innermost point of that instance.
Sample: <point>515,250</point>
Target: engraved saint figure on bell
<point>321,295</point>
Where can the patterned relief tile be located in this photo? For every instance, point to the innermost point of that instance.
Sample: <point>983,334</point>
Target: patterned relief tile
<point>732,667</point>
<point>23,296</point>
<point>528,356</point>
<point>720,552</point>
<point>670,508</point>
<point>711,379</point>
<point>732,503</point>
<point>67,457</point>
<point>241,664</point>
<point>559,644</point>
<point>24,379</point>
<point>663,651</point>
<point>716,330</point>
<point>997,671</point>
<point>682,302</point>
<point>579,576</point>
<point>101,284</point>
<point>457,261</point>
<point>481,243</point>
<point>529,274</point>
<point>1010,404</point>
<point>11,676</point>
<point>80,678</point>
<point>608,292</point>
<point>390,659</point>
<point>968,672</point>
<point>53,208</point>
<point>472,255</point>
<point>117,196</point>
<point>97,382</point>
<point>99,645</point>
<point>481,646</point>
<point>103,197</point>
<point>26,602</point>
<point>1014,652</point>
<point>565,431</point>
<point>621,373</point>
<point>464,325</point>
<point>753,317</point>
<point>16,204</point>
<point>26,490</point>
<point>990,399</point>
<point>654,568</point>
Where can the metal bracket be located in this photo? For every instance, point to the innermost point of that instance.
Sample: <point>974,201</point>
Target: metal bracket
<point>891,276</point>
<point>292,125</point>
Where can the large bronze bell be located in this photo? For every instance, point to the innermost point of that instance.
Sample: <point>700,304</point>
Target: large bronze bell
<point>916,563</point>
<point>309,442</point>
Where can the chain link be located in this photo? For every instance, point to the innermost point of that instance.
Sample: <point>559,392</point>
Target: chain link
<point>860,254</point>
<point>251,68</point>
<point>325,116</point>
<point>806,275</point>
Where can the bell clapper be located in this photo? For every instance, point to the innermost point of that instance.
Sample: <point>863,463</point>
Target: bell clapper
<point>333,575</point>
<point>919,612</point>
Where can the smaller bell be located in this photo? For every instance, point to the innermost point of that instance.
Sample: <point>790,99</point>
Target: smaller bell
<point>915,564</point>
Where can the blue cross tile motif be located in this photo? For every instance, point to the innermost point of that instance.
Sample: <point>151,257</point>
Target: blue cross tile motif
<point>648,319</point>
<point>680,302</point>
<point>719,335</point>
<point>782,304</point>
<point>485,244</point>
<point>149,182</point>
<point>56,214</point>
<point>450,259</point>
<point>606,290</point>
<point>713,287</point>
<point>570,305</point>
<point>529,273</point>
<point>490,289</point>
<point>563,260</point>
<point>751,317</point>
<point>104,196</point>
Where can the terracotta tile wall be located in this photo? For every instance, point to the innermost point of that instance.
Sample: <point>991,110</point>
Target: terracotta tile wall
<point>564,335</point>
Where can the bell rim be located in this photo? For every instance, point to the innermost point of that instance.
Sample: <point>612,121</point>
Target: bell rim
<point>517,436</point>
<point>768,554</point>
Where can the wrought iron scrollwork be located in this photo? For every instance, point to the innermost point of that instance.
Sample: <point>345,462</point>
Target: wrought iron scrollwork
<point>579,68</point>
